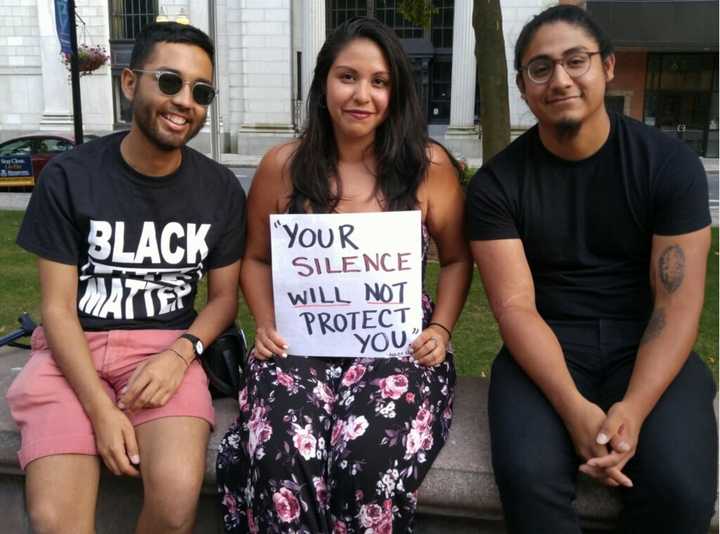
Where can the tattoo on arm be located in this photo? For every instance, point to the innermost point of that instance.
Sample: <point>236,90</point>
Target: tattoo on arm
<point>672,267</point>
<point>655,326</point>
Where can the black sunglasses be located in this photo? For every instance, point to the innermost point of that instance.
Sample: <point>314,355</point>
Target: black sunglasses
<point>170,83</point>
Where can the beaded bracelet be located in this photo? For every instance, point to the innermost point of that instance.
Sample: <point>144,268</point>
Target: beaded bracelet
<point>443,327</point>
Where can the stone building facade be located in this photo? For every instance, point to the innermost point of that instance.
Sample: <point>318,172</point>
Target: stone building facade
<point>265,56</point>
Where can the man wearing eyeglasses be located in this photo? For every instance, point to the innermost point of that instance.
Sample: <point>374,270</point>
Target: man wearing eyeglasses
<point>591,233</point>
<point>124,227</point>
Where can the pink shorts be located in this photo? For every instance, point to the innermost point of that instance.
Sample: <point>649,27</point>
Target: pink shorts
<point>49,414</point>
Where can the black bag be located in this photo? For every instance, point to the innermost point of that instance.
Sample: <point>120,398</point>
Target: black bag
<point>224,361</point>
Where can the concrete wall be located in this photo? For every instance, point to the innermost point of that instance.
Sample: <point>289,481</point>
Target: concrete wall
<point>20,74</point>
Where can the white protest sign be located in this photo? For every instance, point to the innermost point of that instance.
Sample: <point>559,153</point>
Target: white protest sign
<point>347,284</point>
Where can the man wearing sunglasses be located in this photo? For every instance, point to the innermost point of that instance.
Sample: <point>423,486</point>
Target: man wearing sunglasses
<point>591,232</point>
<point>124,227</point>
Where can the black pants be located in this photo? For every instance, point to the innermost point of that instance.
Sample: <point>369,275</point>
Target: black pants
<point>674,470</point>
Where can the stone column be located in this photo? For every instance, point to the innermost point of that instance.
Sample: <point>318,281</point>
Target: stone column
<point>57,112</point>
<point>313,37</point>
<point>221,62</point>
<point>462,89</point>
<point>198,14</point>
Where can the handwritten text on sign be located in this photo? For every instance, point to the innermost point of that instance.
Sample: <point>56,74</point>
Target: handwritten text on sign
<point>347,284</point>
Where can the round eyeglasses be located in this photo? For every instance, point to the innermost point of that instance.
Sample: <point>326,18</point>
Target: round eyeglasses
<point>540,70</point>
<point>170,83</point>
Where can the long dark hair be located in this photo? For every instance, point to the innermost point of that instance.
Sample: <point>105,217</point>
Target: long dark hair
<point>400,143</point>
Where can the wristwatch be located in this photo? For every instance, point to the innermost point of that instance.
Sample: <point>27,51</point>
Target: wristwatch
<point>197,344</point>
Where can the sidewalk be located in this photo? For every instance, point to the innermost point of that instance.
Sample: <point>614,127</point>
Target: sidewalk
<point>710,164</point>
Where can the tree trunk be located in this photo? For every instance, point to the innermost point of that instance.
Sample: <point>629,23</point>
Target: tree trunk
<point>492,76</point>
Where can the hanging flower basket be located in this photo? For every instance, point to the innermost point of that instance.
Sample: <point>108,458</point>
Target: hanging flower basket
<point>90,58</point>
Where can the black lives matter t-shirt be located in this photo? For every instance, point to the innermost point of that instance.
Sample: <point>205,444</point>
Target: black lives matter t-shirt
<point>141,244</point>
<point>587,226</point>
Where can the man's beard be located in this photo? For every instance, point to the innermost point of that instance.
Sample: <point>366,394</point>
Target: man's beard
<point>145,120</point>
<point>567,129</point>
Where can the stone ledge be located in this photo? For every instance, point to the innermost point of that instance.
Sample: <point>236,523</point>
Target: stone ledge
<point>458,495</point>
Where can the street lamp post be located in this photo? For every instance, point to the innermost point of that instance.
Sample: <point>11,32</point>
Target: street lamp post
<point>75,75</point>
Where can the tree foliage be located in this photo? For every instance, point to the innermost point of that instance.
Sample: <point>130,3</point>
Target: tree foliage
<point>419,12</point>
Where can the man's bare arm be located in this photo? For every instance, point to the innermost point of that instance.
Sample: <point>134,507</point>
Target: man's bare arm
<point>677,276</point>
<point>222,303</point>
<point>511,294</point>
<point>534,346</point>
<point>114,434</point>
<point>155,381</point>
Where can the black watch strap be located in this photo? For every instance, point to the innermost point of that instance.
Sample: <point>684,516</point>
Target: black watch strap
<point>196,342</point>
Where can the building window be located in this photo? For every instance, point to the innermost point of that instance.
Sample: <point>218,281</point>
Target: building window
<point>338,11</point>
<point>679,97</point>
<point>386,12</point>
<point>440,81</point>
<point>618,101</point>
<point>128,17</point>
<point>441,33</point>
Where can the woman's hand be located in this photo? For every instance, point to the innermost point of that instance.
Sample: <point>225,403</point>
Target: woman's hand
<point>269,343</point>
<point>430,347</point>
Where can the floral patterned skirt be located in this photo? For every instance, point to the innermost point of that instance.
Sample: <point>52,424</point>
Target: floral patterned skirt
<point>335,445</point>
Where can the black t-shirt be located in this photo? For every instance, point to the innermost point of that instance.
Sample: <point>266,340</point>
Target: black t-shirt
<point>140,243</point>
<point>587,226</point>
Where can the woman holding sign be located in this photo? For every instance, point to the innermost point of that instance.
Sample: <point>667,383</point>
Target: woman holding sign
<point>327,444</point>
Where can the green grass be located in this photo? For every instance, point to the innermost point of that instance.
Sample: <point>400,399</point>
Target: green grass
<point>707,342</point>
<point>476,336</point>
<point>19,286</point>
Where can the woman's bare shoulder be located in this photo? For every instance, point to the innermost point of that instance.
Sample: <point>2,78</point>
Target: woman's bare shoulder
<point>438,154</point>
<point>278,158</point>
<point>442,168</point>
<point>272,183</point>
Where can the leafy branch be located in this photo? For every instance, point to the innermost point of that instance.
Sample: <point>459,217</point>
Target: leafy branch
<point>419,12</point>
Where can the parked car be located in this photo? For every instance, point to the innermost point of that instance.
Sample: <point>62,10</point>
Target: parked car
<point>22,158</point>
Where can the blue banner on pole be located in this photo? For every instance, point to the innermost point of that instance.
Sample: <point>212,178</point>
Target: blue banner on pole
<point>62,22</point>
